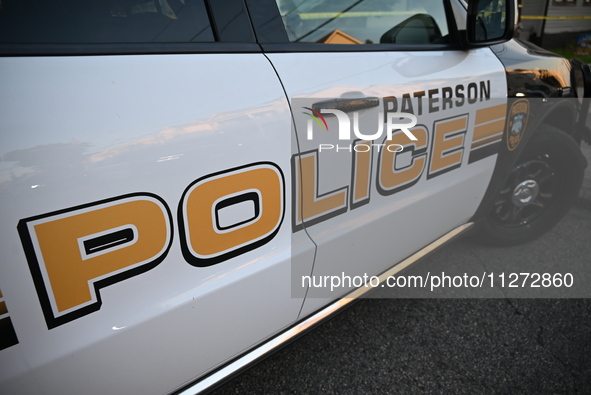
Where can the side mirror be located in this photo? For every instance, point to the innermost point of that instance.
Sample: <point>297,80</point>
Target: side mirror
<point>490,22</point>
<point>418,29</point>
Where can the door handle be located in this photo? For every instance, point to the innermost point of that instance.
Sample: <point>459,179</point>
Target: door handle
<point>347,105</point>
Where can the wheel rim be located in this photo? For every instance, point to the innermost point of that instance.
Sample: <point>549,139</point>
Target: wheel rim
<point>530,190</point>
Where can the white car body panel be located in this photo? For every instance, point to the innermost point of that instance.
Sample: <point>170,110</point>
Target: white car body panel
<point>388,228</point>
<point>125,133</point>
<point>148,135</point>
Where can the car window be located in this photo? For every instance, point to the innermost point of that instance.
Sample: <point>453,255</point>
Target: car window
<point>490,19</point>
<point>414,22</point>
<point>104,21</point>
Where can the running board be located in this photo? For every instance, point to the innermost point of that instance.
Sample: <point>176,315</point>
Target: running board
<point>215,378</point>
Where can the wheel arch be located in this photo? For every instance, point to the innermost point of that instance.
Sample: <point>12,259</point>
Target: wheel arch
<point>562,116</point>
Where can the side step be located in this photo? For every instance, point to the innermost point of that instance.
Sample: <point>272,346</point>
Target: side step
<point>234,367</point>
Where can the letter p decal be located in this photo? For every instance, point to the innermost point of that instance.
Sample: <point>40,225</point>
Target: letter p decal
<point>74,253</point>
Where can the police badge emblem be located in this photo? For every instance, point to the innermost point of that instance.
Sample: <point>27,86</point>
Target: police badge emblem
<point>517,121</point>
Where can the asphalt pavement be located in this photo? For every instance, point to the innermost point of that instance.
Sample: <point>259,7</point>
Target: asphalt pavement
<point>456,346</point>
<point>500,345</point>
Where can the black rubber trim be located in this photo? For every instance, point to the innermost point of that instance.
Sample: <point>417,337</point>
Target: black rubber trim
<point>267,22</point>
<point>125,49</point>
<point>231,22</point>
<point>316,47</point>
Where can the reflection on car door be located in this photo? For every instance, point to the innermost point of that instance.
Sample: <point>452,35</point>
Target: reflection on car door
<point>93,292</point>
<point>364,204</point>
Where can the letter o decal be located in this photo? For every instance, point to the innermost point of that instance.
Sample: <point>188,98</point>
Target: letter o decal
<point>229,213</point>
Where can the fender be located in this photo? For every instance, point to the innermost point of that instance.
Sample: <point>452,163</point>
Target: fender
<point>544,80</point>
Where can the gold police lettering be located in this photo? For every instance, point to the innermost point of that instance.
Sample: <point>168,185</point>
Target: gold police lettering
<point>431,153</point>
<point>75,252</point>
<point>440,99</point>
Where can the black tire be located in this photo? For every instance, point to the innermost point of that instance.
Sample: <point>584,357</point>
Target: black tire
<point>540,189</point>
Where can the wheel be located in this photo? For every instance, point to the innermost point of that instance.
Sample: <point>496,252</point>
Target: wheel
<point>540,189</point>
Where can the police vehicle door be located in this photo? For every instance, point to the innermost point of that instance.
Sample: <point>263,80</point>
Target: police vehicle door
<point>347,67</point>
<point>150,191</point>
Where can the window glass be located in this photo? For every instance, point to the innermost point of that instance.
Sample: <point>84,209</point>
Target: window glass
<point>103,21</point>
<point>564,2</point>
<point>365,21</point>
<point>490,19</point>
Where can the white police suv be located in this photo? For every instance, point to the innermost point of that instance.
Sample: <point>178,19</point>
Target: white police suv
<point>172,169</point>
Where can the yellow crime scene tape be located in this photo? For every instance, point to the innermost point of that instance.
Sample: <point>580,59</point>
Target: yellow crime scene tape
<point>357,14</point>
<point>556,17</point>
